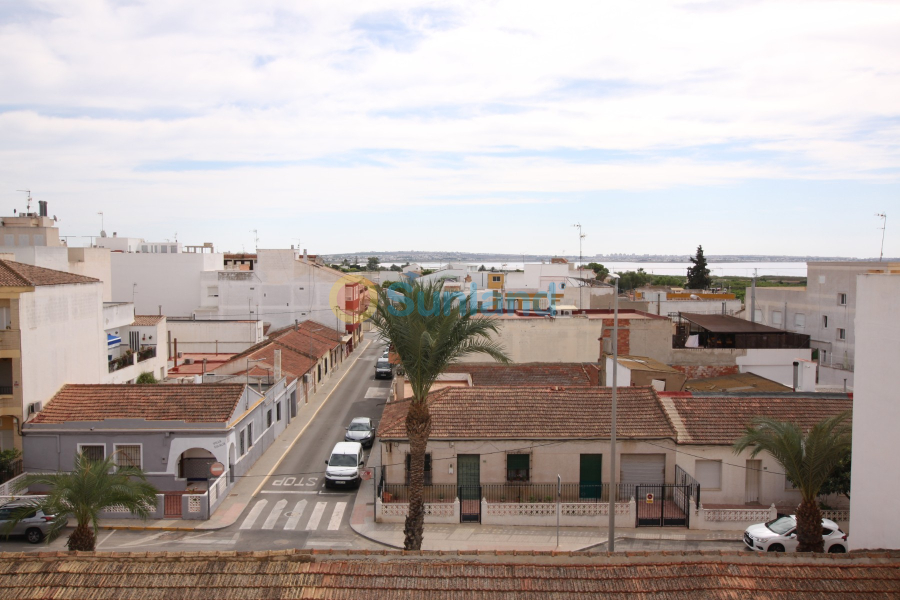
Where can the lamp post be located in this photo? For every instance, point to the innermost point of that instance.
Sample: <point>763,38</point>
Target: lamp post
<point>611,544</point>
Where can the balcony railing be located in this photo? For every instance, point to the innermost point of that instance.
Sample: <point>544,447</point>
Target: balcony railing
<point>10,339</point>
<point>6,390</point>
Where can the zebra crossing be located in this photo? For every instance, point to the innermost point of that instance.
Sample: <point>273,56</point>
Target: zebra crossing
<point>296,517</point>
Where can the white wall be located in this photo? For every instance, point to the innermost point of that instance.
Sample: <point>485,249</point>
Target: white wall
<point>876,412</point>
<point>215,336</point>
<point>90,262</point>
<point>571,339</point>
<point>170,280</point>
<point>623,375</point>
<point>62,339</point>
<point>772,363</point>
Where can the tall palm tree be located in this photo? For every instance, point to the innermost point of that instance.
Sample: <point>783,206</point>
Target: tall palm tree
<point>808,459</point>
<point>93,486</point>
<point>429,330</point>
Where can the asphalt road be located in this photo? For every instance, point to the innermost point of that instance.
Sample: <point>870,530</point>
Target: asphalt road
<point>293,509</point>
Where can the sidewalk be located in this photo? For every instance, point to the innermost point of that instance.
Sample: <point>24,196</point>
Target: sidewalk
<point>472,536</point>
<point>240,495</point>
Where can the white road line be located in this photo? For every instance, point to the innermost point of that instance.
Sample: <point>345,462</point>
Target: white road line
<point>294,519</point>
<point>286,492</point>
<point>335,521</point>
<point>316,516</point>
<point>273,516</point>
<point>106,538</point>
<point>254,514</point>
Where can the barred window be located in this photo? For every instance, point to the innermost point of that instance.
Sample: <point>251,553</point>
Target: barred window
<point>93,452</point>
<point>128,455</point>
<point>518,467</point>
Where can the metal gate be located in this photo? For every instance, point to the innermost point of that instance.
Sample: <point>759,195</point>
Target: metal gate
<point>468,481</point>
<point>663,505</point>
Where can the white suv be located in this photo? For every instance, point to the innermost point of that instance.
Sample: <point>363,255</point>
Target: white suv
<point>344,466</point>
<point>780,535</point>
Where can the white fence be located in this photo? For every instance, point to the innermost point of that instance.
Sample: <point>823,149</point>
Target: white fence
<point>739,518</point>
<point>435,512</point>
<point>6,489</point>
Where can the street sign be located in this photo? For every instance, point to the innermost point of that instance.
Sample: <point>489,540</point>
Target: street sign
<point>649,498</point>
<point>216,469</point>
<point>366,474</point>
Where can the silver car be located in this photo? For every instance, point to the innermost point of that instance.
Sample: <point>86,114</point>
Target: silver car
<point>35,526</point>
<point>362,430</point>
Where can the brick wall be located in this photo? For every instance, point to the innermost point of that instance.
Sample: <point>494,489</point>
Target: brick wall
<point>706,371</point>
<point>623,337</point>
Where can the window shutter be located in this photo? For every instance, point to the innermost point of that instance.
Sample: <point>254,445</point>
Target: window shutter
<point>709,474</point>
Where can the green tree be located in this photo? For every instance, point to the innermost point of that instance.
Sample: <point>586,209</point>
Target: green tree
<point>146,377</point>
<point>808,459</point>
<point>698,276</point>
<point>373,264</point>
<point>839,480</point>
<point>397,268</point>
<point>668,280</point>
<point>600,272</point>
<point>630,280</point>
<point>429,330</point>
<point>7,458</point>
<point>93,486</point>
<point>482,268</point>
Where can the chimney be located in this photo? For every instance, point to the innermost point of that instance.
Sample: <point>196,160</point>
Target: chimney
<point>115,234</point>
<point>42,208</point>
<point>305,257</point>
<point>277,364</point>
<point>796,374</point>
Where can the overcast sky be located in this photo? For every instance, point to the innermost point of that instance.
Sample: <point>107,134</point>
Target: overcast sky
<point>749,127</point>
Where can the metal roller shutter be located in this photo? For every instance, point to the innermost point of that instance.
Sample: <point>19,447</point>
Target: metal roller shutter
<point>643,468</point>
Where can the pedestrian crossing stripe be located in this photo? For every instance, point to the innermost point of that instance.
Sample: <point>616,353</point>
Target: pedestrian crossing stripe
<point>295,515</point>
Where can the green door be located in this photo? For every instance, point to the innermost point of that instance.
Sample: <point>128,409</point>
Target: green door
<point>468,476</point>
<point>589,476</point>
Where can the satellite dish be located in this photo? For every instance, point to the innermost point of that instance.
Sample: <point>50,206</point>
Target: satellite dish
<point>102,233</point>
<point>55,219</point>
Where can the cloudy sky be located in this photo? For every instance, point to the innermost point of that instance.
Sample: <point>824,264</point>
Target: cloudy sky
<point>751,127</point>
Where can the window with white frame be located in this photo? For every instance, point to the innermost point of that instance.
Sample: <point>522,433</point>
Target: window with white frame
<point>776,317</point>
<point>128,455</point>
<point>841,334</point>
<point>757,315</point>
<point>842,299</point>
<point>92,452</point>
<point>799,320</point>
<point>709,474</point>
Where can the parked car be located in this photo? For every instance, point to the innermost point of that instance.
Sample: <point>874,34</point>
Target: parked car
<point>362,430</point>
<point>384,368</point>
<point>35,526</point>
<point>780,535</point>
<point>344,466</point>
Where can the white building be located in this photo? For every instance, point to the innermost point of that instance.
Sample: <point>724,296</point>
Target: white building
<point>824,310</point>
<point>876,413</point>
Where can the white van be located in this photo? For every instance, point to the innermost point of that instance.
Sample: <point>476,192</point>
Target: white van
<point>344,466</point>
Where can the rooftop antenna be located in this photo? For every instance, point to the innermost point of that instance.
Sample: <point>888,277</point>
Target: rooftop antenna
<point>29,199</point>
<point>580,272</point>
<point>255,238</point>
<point>102,228</point>
<point>883,217</point>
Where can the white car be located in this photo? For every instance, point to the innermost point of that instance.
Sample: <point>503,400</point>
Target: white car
<point>780,536</point>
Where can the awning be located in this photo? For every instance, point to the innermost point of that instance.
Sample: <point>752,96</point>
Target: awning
<point>346,338</point>
<point>112,340</point>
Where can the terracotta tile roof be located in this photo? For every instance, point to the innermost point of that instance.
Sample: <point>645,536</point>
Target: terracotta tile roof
<point>205,403</point>
<point>529,374</point>
<point>293,364</point>
<point>21,275</point>
<point>534,413</point>
<point>147,320</point>
<point>722,418</point>
<point>365,575</point>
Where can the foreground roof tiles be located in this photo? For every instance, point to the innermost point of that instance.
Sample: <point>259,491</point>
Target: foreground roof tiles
<point>204,403</point>
<point>438,576</point>
<point>722,418</point>
<point>21,275</point>
<point>534,413</point>
<point>528,374</point>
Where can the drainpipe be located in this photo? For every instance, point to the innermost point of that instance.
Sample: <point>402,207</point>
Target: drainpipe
<point>753,298</point>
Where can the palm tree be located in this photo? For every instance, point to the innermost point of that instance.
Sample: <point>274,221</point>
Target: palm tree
<point>429,330</point>
<point>93,486</point>
<point>808,459</point>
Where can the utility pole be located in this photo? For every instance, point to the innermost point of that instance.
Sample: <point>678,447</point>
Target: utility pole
<point>883,217</point>
<point>255,239</point>
<point>753,298</point>
<point>580,265</point>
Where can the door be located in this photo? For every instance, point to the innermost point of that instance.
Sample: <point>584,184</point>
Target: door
<point>640,469</point>
<point>754,467</point>
<point>468,480</point>
<point>589,476</point>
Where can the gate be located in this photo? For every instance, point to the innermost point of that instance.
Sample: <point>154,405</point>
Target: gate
<point>172,506</point>
<point>662,505</point>
<point>468,481</point>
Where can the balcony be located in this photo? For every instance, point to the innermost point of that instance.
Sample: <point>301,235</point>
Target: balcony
<point>130,358</point>
<point>10,339</point>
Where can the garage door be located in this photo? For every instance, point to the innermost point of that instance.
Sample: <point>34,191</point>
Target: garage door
<point>643,468</point>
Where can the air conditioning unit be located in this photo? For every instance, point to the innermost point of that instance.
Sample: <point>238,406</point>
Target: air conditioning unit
<point>188,361</point>
<point>35,407</point>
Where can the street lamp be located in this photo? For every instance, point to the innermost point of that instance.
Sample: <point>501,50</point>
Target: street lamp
<point>611,544</point>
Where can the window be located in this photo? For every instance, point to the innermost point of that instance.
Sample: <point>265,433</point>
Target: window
<point>164,249</point>
<point>212,291</point>
<point>495,278</point>
<point>842,299</point>
<point>841,334</point>
<point>824,354</point>
<point>427,469</point>
<point>128,455</point>
<point>799,320</point>
<point>241,442</point>
<point>250,435</point>
<point>268,418</point>
<point>709,474</point>
<point>517,467</point>
<point>92,451</point>
<point>174,249</point>
<point>757,315</point>
<point>144,248</point>
<point>278,411</point>
<point>776,317</point>
<point>825,321</point>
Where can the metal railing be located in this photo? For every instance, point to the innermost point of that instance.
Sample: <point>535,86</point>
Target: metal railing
<point>682,477</point>
<point>6,390</point>
<point>513,492</point>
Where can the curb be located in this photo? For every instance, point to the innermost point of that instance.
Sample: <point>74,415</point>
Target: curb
<point>371,539</point>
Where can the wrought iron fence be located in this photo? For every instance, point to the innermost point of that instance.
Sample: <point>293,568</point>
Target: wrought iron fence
<point>514,492</point>
<point>682,477</point>
<point>10,469</point>
<point>399,492</point>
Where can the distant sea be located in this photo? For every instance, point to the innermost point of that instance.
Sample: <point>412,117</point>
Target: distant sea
<point>796,269</point>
